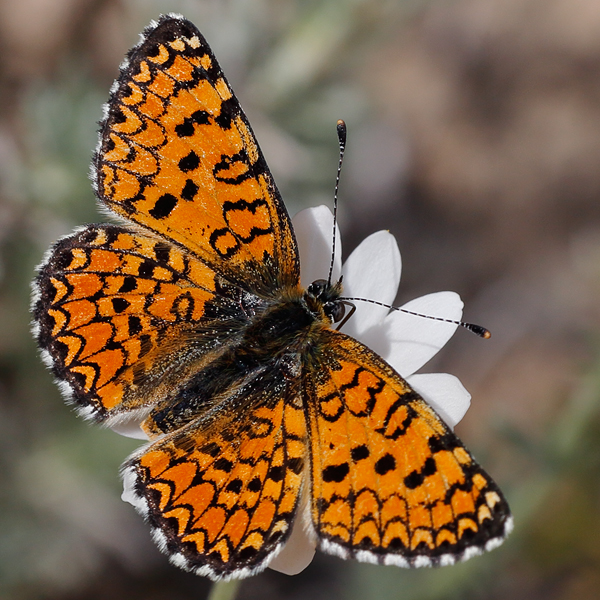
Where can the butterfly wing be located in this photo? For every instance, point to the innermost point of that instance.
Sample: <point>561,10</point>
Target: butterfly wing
<point>124,319</point>
<point>221,493</point>
<point>123,316</point>
<point>391,483</point>
<point>177,156</point>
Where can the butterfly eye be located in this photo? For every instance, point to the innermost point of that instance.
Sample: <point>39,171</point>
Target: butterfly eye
<point>316,288</point>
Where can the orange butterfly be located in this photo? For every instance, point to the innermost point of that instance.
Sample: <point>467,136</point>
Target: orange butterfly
<point>189,317</point>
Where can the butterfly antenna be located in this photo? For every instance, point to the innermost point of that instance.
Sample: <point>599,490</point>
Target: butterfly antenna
<point>476,329</point>
<point>341,131</point>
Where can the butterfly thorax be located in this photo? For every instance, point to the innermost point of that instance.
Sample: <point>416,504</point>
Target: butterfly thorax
<point>278,337</point>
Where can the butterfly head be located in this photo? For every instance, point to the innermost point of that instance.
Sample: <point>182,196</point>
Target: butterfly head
<point>322,298</point>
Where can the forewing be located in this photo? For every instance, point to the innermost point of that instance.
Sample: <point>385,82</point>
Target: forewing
<point>124,318</point>
<point>177,155</point>
<point>221,495</point>
<point>391,483</point>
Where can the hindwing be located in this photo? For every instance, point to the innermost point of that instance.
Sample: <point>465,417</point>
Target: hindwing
<point>221,493</point>
<point>390,482</point>
<point>124,318</point>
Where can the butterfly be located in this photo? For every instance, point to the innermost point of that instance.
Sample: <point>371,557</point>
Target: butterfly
<point>189,317</point>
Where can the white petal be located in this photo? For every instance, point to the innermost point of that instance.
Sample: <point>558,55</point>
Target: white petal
<point>406,341</point>
<point>297,553</point>
<point>372,271</point>
<point>444,393</point>
<point>130,429</point>
<point>313,228</point>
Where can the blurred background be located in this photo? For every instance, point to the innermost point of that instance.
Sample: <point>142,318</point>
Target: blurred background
<point>474,136</point>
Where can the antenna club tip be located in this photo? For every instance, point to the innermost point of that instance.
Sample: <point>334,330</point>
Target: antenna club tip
<point>341,131</point>
<point>482,332</point>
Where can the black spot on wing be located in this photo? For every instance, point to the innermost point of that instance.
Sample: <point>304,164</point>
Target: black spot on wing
<point>296,465</point>
<point>189,191</point>
<point>222,464</point>
<point>276,473</point>
<point>134,324</point>
<point>189,162</point>
<point>235,486</point>
<point>229,109</point>
<point>164,206</point>
<point>416,478</point>
<point>186,128</point>
<point>385,464</point>
<point>120,304</point>
<point>359,453</point>
<point>129,284</point>
<point>255,485</point>
<point>162,252</point>
<point>146,268</point>
<point>336,473</point>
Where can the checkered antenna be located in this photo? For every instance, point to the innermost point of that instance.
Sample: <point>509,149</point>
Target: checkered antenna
<point>476,329</point>
<point>341,131</point>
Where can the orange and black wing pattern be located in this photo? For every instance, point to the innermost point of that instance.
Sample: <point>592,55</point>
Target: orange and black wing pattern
<point>187,319</point>
<point>177,156</point>
<point>124,314</point>
<point>222,492</point>
<point>124,319</point>
<point>390,482</point>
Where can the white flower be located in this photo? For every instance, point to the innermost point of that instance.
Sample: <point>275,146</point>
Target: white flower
<point>405,341</point>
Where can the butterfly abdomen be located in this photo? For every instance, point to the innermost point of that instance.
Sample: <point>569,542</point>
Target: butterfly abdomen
<point>272,342</point>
